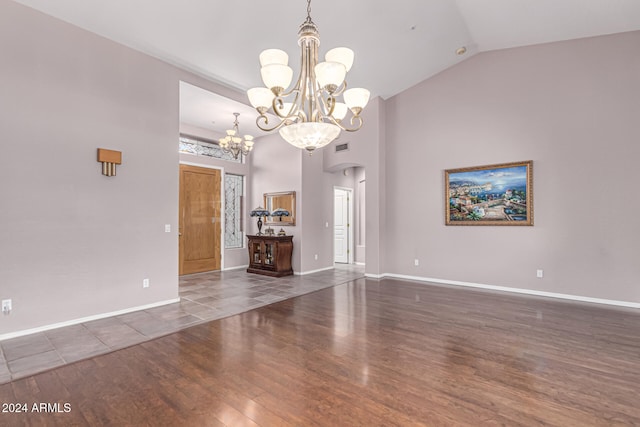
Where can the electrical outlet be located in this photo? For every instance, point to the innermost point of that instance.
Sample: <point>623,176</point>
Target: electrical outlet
<point>416,262</point>
<point>6,306</point>
<point>539,274</point>
<point>145,283</point>
<point>316,256</point>
<point>167,228</point>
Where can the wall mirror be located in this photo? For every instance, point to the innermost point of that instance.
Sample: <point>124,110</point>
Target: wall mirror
<point>285,200</point>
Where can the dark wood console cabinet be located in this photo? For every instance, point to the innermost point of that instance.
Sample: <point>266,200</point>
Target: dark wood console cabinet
<point>270,255</point>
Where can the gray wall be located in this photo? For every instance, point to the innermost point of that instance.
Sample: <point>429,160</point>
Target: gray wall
<point>572,108</point>
<point>75,243</point>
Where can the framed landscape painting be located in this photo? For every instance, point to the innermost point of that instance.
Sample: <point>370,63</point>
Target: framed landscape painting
<point>490,195</point>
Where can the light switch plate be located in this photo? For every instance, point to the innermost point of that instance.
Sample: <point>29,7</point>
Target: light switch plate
<point>6,306</point>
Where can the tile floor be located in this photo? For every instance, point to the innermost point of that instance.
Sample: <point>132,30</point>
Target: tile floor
<point>204,297</point>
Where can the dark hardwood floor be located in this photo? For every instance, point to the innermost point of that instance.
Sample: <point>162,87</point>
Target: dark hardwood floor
<point>364,353</point>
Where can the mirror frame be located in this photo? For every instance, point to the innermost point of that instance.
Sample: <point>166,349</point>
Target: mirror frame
<point>268,204</point>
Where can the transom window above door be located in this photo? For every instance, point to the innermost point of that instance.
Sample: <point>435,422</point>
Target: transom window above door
<point>201,147</point>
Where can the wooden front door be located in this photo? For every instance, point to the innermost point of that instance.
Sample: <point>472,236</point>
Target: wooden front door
<point>199,219</point>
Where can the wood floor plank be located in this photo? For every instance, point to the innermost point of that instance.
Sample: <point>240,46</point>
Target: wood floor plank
<point>364,353</point>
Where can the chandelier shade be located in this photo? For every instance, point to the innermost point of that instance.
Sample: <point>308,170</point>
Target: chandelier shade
<point>343,55</point>
<point>260,97</point>
<point>330,75</point>
<point>311,113</point>
<point>340,111</point>
<point>309,135</point>
<point>276,77</point>
<point>274,56</point>
<point>356,99</point>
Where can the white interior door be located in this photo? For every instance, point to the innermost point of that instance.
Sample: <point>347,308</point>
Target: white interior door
<point>341,225</point>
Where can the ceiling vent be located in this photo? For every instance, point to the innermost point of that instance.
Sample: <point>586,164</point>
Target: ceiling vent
<point>342,147</point>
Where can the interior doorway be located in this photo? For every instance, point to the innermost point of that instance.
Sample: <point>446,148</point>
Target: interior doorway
<point>200,219</point>
<point>342,220</point>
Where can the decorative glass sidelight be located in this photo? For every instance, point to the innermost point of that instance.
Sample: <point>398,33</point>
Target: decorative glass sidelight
<point>233,201</point>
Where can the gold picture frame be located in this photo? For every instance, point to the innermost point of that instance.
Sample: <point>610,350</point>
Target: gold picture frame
<point>283,200</point>
<point>500,194</point>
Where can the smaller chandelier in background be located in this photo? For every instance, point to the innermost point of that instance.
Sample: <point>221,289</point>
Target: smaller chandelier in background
<point>310,114</point>
<point>233,143</point>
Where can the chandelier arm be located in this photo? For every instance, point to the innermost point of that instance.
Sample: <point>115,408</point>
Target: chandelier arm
<point>278,101</point>
<point>340,90</point>
<point>283,118</point>
<point>358,123</point>
<point>333,121</point>
<point>300,117</point>
<point>353,120</point>
<point>306,97</point>
<point>276,105</point>
<point>309,91</point>
<point>265,120</point>
<point>325,106</point>
<point>294,89</point>
<point>331,101</point>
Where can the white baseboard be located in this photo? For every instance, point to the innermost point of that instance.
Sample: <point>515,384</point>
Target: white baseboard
<point>84,319</point>
<point>359,263</point>
<point>240,267</point>
<point>302,273</point>
<point>376,276</point>
<point>514,290</point>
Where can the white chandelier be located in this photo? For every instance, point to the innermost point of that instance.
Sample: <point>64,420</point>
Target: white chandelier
<point>234,144</point>
<point>310,114</point>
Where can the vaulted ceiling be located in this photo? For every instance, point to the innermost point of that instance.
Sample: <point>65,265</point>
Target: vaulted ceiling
<point>397,43</point>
